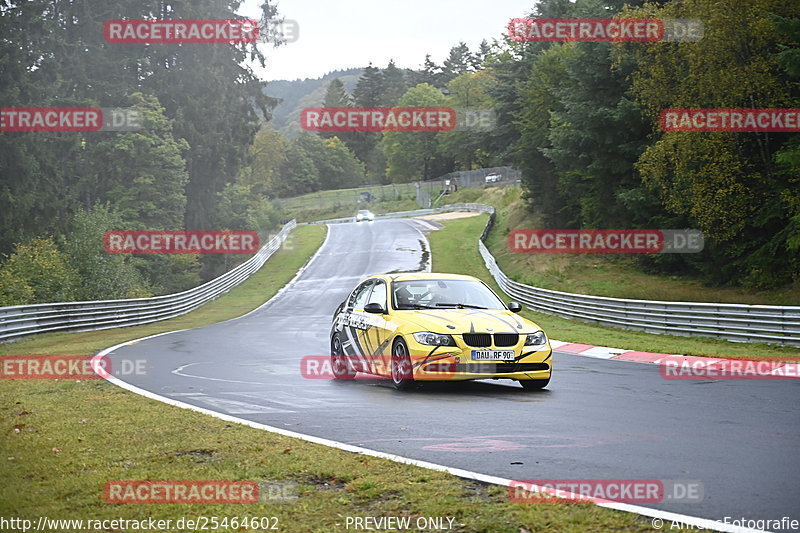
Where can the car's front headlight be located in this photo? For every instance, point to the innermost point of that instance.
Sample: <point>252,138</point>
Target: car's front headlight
<point>536,339</point>
<point>434,339</point>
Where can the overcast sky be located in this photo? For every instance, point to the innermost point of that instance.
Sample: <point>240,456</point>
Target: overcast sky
<point>336,34</point>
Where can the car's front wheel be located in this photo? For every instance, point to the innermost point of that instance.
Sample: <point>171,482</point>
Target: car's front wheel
<point>339,363</point>
<point>402,376</point>
<point>534,384</point>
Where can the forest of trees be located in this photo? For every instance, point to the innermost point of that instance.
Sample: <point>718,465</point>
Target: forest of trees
<point>580,120</point>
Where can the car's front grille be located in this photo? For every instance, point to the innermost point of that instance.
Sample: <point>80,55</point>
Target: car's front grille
<point>506,339</point>
<point>486,368</point>
<point>484,340</point>
<point>477,340</point>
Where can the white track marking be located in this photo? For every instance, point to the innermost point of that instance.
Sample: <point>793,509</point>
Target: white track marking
<point>477,476</point>
<point>232,407</point>
<point>179,372</point>
<point>598,352</point>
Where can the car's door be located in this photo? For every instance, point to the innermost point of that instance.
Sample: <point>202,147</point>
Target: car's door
<point>355,326</point>
<point>377,333</point>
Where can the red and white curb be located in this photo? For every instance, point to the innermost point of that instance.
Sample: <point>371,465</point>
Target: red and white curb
<point>785,370</point>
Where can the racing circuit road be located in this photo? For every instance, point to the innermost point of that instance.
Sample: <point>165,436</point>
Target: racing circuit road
<point>598,419</point>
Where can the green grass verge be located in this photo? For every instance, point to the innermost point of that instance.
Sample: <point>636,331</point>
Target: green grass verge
<point>454,249</point>
<point>614,275</point>
<point>62,440</point>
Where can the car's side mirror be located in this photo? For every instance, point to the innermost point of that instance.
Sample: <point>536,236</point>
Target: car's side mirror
<point>514,307</point>
<point>375,308</point>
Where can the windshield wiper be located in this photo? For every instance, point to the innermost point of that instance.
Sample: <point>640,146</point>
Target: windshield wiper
<point>461,306</point>
<point>417,306</point>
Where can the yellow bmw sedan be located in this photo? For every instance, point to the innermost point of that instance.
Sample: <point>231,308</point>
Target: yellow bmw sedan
<point>436,327</point>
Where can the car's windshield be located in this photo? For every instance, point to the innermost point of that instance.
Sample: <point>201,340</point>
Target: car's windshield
<point>444,294</point>
<point>363,212</point>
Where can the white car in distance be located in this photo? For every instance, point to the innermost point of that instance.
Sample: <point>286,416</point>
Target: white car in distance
<point>364,214</point>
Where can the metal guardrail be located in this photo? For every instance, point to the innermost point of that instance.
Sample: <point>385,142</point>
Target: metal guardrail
<point>21,320</point>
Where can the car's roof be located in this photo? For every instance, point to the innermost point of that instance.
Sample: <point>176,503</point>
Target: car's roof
<point>363,210</point>
<point>412,276</point>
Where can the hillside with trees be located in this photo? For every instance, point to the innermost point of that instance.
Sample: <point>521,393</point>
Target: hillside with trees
<point>580,120</point>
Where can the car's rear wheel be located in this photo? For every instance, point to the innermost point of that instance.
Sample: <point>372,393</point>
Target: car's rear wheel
<point>339,362</point>
<point>402,376</point>
<point>534,384</point>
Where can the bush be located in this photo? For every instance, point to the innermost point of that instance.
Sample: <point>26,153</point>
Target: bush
<point>36,272</point>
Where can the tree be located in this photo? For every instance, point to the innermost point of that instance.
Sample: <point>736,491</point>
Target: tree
<point>142,172</point>
<point>726,184</point>
<point>394,84</point>
<point>339,166</point>
<point>100,275</point>
<point>595,136</point>
<point>267,154</point>
<point>469,91</point>
<point>537,103</point>
<point>336,95</point>
<point>36,272</point>
<point>368,93</point>
<point>336,166</point>
<point>369,88</point>
<point>430,73</point>
<point>415,155</point>
<point>298,174</point>
<point>458,62</point>
<point>480,57</point>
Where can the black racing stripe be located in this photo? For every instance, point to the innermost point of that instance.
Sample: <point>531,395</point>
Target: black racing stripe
<point>354,341</point>
<point>427,360</point>
<point>512,326</point>
<point>531,353</point>
<point>383,346</point>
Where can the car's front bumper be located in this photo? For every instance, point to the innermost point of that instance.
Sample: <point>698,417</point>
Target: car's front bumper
<point>453,363</point>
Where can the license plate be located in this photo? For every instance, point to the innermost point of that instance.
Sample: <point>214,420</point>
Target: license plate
<point>493,355</point>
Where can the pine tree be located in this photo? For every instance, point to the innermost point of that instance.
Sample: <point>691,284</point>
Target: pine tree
<point>369,89</point>
<point>394,84</point>
<point>458,62</point>
<point>430,73</point>
<point>336,95</point>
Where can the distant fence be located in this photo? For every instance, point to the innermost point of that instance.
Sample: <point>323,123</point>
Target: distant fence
<point>424,192</point>
<point>477,178</point>
<point>21,320</point>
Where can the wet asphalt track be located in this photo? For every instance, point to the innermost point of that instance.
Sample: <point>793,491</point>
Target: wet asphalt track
<point>598,419</point>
